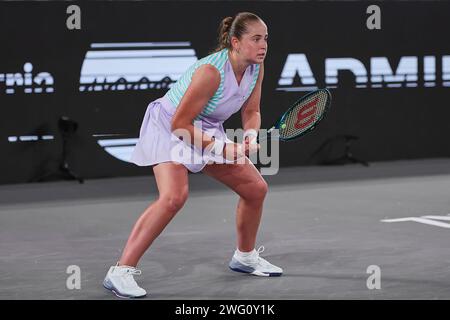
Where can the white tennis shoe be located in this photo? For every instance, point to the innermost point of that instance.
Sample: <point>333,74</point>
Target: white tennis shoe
<point>120,281</point>
<point>254,264</point>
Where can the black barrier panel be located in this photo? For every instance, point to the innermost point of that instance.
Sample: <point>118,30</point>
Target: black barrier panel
<point>389,86</point>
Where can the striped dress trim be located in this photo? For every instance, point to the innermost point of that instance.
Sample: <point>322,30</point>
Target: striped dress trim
<point>218,60</point>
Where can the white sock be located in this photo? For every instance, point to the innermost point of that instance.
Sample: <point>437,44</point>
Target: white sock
<point>241,254</point>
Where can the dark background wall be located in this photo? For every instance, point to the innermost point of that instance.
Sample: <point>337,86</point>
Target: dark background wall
<point>391,122</point>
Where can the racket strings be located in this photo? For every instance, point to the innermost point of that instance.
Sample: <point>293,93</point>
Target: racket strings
<point>304,115</point>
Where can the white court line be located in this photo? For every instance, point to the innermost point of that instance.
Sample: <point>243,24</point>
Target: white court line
<point>423,220</point>
<point>437,217</point>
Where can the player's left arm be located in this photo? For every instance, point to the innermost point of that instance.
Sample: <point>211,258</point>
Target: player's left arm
<point>250,111</point>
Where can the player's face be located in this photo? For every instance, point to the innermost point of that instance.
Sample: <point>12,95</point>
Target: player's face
<point>253,45</point>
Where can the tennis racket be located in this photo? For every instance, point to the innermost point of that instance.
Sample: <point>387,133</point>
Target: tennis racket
<point>301,117</point>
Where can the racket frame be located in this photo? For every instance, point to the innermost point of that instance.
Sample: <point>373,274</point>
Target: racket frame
<point>281,120</point>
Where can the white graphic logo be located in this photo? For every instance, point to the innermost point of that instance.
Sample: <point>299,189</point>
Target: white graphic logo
<point>134,66</point>
<point>431,220</point>
<point>119,148</point>
<point>30,138</point>
<point>42,82</point>
<point>382,74</point>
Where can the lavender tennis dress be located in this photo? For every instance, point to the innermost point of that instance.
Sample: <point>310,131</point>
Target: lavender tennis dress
<point>157,143</point>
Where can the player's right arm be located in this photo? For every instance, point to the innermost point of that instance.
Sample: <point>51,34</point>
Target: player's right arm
<point>204,84</point>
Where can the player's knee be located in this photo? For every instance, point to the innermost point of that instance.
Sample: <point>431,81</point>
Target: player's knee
<point>259,190</point>
<point>174,202</point>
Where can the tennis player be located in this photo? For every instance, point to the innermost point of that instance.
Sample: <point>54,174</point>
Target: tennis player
<point>206,95</point>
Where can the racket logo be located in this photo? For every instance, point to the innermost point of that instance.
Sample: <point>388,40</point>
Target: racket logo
<point>306,115</point>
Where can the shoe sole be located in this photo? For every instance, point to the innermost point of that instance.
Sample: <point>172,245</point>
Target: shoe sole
<point>257,273</point>
<point>239,267</point>
<point>111,288</point>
